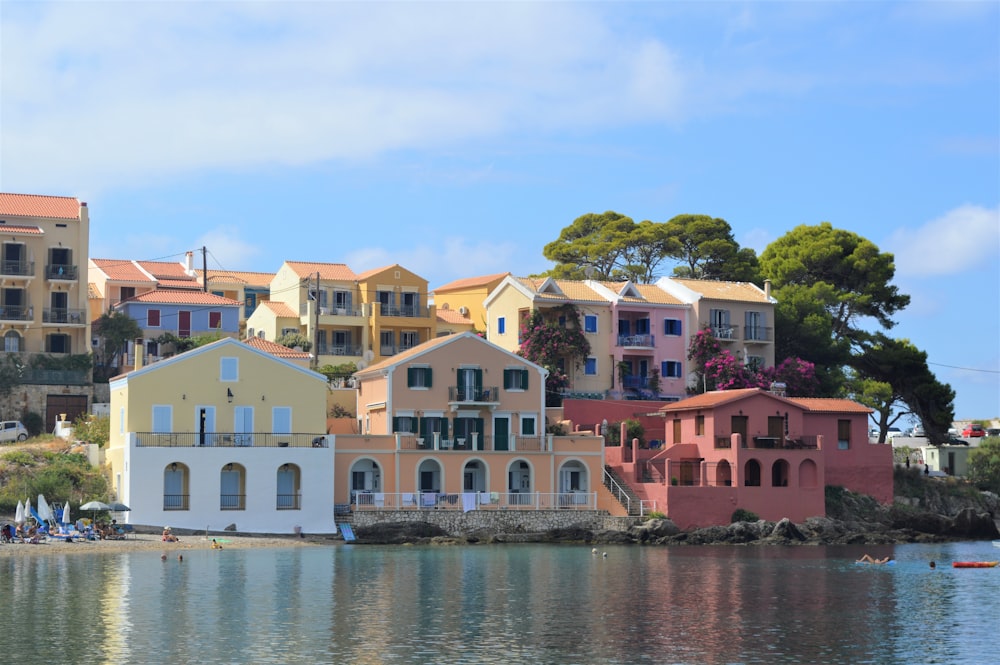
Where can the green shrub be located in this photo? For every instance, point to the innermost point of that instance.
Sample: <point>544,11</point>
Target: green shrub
<point>33,422</point>
<point>19,458</point>
<point>656,515</point>
<point>742,515</point>
<point>92,429</point>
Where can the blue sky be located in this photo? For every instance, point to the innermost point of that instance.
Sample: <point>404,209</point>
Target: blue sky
<point>457,139</point>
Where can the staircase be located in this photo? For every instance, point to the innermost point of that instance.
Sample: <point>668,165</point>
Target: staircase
<point>621,491</point>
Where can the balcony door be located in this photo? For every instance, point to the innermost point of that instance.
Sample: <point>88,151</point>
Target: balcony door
<point>243,425</point>
<point>183,324</point>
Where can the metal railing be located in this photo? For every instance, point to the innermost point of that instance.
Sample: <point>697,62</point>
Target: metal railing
<point>339,350</point>
<point>16,312</point>
<point>61,271</point>
<point>229,439</point>
<point>409,311</point>
<point>175,501</point>
<point>758,333</point>
<point>725,333</point>
<point>15,267</point>
<point>618,491</point>
<point>364,500</point>
<point>232,502</point>
<point>488,395</point>
<point>636,340</point>
<point>474,442</point>
<point>63,315</point>
<point>289,502</point>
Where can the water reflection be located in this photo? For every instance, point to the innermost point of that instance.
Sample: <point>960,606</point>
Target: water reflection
<point>529,604</point>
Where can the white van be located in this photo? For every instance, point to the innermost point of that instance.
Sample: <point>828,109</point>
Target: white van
<point>12,430</point>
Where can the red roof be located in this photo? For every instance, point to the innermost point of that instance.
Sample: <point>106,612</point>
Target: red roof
<point>165,270</point>
<point>121,270</point>
<point>184,298</point>
<point>279,308</point>
<point>34,205</point>
<point>469,282</point>
<point>333,271</point>
<point>275,349</point>
<point>22,229</point>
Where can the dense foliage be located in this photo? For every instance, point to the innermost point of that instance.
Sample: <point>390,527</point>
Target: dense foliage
<point>92,429</point>
<point>553,339</point>
<point>294,340</point>
<point>633,430</point>
<point>984,465</point>
<point>32,470</point>
<point>718,369</point>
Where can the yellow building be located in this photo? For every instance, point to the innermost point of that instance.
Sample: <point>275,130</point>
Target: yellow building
<point>466,296</point>
<point>44,295</point>
<point>225,433</point>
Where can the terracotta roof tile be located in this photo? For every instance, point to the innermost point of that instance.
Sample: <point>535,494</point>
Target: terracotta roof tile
<point>121,271</point>
<point>189,284</point>
<point>276,349</point>
<point>165,269</point>
<point>184,298</point>
<point>568,290</point>
<point>830,405</point>
<point>279,308</point>
<point>470,282</point>
<point>34,205</point>
<point>716,290</point>
<point>710,399</point>
<point>452,316</point>
<point>22,229</point>
<point>409,353</point>
<point>260,279</point>
<point>332,271</point>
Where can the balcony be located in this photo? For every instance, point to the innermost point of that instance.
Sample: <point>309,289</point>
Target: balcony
<point>228,439</point>
<point>17,268</point>
<point>407,311</point>
<point>365,500</point>
<point>467,395</point>
<point>63,316</point>
<point>16,313</point>
<point>61,271</point>
<point>758,334</point>
<point>634,381</point>
<point>725,333</point>
<point>339,350</point>
<point>636,341</point>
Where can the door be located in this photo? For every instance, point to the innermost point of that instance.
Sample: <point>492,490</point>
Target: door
<point>72,405</point>
<point>59,307</point>
<point>739,426</point>
<point>501,433</point>
<point>206,425</point>
<point>243,426</point>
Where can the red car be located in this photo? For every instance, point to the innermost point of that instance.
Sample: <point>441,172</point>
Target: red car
<point>974,430</point>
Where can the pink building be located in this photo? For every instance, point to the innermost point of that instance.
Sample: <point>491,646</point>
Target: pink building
<point>756,450</point>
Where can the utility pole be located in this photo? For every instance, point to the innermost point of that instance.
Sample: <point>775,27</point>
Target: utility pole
<point>315,335</point>
<point>204,269</point>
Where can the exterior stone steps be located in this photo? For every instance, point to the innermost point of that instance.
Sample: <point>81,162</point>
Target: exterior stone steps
<point>630,499</point>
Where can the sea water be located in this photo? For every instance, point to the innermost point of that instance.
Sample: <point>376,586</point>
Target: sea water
<point>503,604</point>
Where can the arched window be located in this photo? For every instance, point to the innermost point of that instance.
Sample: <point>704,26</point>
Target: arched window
<point>752,473</point>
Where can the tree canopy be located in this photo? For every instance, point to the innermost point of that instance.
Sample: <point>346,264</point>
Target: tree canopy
<point>705,248</point>
<point>115,329</point>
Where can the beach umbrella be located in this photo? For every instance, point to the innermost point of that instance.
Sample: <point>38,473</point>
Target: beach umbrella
<point>95,506</point>
<point>27,510</point>
<point>65,515</point>
<point>118,507</point>
<point>19,513</point>
<point>44,511</point>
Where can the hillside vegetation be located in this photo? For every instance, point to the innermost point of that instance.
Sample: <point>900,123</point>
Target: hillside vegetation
<point>47,466</point>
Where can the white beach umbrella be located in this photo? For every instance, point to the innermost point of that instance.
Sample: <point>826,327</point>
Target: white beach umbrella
<point>65,515</point>
<point>44,511</point>
<point>27,510</point>
<point>19,513</point>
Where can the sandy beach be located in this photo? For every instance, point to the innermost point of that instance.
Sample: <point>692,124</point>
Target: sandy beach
<point>154,543</point>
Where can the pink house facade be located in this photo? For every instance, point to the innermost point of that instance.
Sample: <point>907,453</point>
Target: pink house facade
<point>754,450</point>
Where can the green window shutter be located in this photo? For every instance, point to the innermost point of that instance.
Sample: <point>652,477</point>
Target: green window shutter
<point>423,429</point>
<point>395,423</point>
<point>429,374</point>
<point>506,379</point>
<point>524,379</point>
<point>479,381</point>
<point>444,428</point>
<point>461,380</point>
<point>409,377</point>
<point>479,425</point>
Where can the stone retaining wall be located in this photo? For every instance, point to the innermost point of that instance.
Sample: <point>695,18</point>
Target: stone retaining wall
<point>498,521</point>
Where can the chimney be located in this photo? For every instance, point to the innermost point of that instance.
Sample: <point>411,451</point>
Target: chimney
<point>767,288</point>
<point>140,351</point>
<point>188,263</point>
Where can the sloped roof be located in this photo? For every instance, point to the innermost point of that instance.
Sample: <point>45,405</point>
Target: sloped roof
<point>276,349</point>
<point>22,229</point>
<point>409,353</point>
<point>168,297</point>
<point>471,282</point>
<point>189,284</point>
<point>563,290</point>
<point>452,316</point>
<point>830,405</point>
<point>711,399</point>
<point>35,205</point>
<point>333,271</point>
<point>260,279</point>
<point>122,270</point>
<point>716,290</point>
<point>166,270</point>
<point>93,293</point>
<point>279,308</point>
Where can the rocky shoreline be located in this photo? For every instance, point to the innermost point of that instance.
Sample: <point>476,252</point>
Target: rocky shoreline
<point>853,520</point>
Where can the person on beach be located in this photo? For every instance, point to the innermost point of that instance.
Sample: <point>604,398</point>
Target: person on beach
<point>168,536</point>
<point>868,558</point>
<point>216,545</point>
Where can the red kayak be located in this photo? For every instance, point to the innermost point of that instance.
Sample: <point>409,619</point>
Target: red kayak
<point>974,564</point>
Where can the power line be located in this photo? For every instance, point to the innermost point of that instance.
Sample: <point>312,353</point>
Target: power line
<point>966,369</point>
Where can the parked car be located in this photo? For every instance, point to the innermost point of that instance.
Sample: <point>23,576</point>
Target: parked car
<point>974,430</point>
<point>993,431</point>
<point>893,432</point>
<point>919,431</point>
<point>12,430</point>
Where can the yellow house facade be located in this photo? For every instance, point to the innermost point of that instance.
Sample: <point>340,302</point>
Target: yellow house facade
<point>223,434</point>
<point>466,296</point>
<point>44,296</point>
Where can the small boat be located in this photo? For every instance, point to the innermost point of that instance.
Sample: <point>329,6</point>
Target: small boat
<point>974,564</point>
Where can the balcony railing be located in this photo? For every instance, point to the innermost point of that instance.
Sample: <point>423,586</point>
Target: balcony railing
<point>232,502</point>
<point>364,500</point>
<point>63,316</point>
<point>489,395</point>
<point>725,333</point>
<point>474,441</point>
<point>16,313</point>
<point>339,350</point>
<point>229,439</point>
<point>758,334</point>
<point>17,268</point>
<point>646,341</point>
<point>61,271</point>
<point>289,502</point>
<point>783,442</point>
<point>633,381</point>
<point>410,311</point>
<point>175,501</point>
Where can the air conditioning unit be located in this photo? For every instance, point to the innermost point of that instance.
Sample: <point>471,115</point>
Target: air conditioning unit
<point>324,310</point>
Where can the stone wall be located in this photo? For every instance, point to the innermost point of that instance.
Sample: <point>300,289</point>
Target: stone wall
<point>497,522</point>
<point>27,398</point>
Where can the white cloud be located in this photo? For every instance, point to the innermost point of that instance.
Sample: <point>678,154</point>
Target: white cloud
<point>228,250</point>
<point>959,241</point>
<point>439,264</point>
<point>167,89</point>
